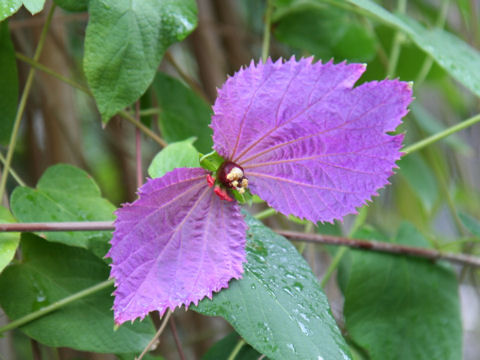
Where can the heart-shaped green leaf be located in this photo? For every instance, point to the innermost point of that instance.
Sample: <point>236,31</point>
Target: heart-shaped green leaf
<point>401,307</point>
<point>184,113</point>
<point>65,193</point>
<point>8,240</point>
<point>175,155</point>
<point>125,41</point>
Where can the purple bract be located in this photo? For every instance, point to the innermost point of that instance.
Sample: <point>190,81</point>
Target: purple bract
<point>295,133</point>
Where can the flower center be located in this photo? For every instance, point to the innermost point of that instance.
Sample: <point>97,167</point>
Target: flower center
<point>231,175</point>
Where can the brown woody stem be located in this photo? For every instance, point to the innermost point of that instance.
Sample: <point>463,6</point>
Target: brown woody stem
<point>384,247</point>
<point>371,245</point>
<point>58,226</point>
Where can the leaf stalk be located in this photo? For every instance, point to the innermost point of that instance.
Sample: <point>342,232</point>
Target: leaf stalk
<point>236,349</point>
<point>442,134</point>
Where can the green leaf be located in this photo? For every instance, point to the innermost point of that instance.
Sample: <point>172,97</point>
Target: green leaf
<point>421,178</point>
<point>327,33</point>
<point>8,84</point>
<point>124,43</point>
<point>8,8</point>
<point>184,114</point>
<point>175,155</point>
<point>147,356</point>
<point>73,5</point>
<point>224,347</point>
<point>472,224</point>
<point>34,6</point>
<point>65,193</point>
<point>403,308</point>
<point>278,306</point>
<point>451,53</point>
<point>8,240</point>
<point>50,272</point>
<point>211,161</point>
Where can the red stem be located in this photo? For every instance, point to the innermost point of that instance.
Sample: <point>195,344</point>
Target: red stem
<point>173,328</point>
<point>138,147</point>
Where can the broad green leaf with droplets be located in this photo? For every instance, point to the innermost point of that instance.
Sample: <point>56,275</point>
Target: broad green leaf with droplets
<point>124,43</point>
<point>10,7</point>
<point>8,240</point>
<point>400,307</point>
<point>454,55</point>
<point>50,272</point>
<point>175,155</point>
<point>278,306</point>
<point>65,193</point>
<point>184,114</point>
<point>8,84</point>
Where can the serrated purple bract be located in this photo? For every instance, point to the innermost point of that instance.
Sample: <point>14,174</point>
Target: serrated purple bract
<point>296,133</point>
<point>175,245</point>
<point>311,145</point>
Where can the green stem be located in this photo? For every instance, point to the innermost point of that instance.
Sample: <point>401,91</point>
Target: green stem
<point>46,70</point>
<point>308,230</point>
<point>152,111</point>
<point>143,128</point>
<point>265,214</point>
<point>333,265</point>
<point>398,39</point>
<point>236,349</point>
<point>185,77</point>
<point>12,172</point>
<point>359,221</point>
<point>395,54</point>
<point>56,305</point>
<point>267,30</point>
<point>444,188</point>
<point>428,62</point>
<point>36,65</point>
<point>442,134</point>
<point>23,103</point>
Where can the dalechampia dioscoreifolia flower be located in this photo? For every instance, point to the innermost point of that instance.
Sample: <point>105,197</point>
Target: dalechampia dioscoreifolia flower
<point>295,133</point>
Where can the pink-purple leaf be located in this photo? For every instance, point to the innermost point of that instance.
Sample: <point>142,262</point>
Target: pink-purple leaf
<point>176,244</point>
<point>310,144</point>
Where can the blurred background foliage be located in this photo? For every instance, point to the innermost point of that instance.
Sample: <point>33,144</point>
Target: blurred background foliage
<point>436,189</point>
